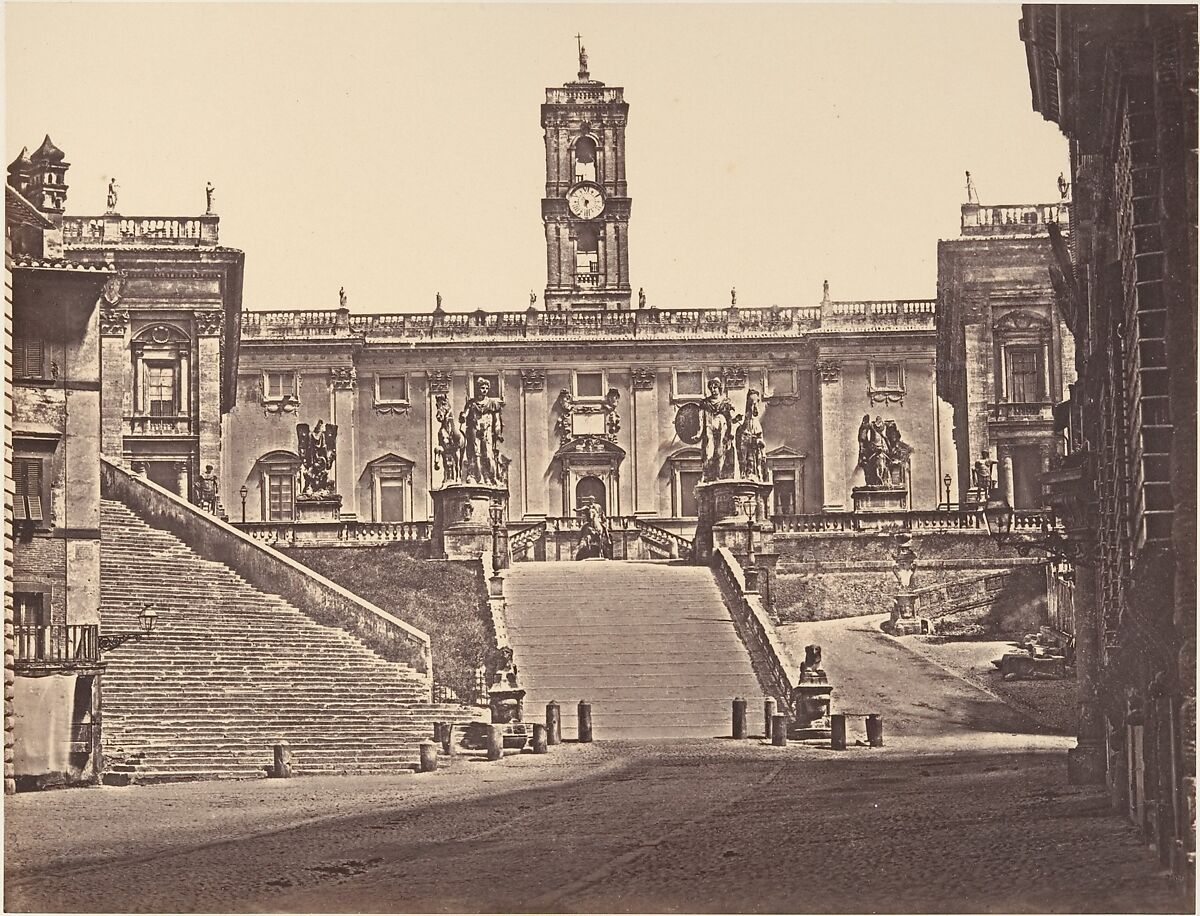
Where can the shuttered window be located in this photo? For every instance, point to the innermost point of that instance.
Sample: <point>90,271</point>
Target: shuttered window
<point>29,358</point>
<point>27,480</point>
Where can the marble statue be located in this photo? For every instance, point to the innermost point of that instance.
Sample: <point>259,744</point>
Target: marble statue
<point>318,452</point>
<point>595,540</point>
<point>112,195</point>
<point>483,426</point>
<point>448,453</point>
<point>206,490</point>
<point>752,449</point>
<point>208,197</point>
<point>717,433</point>
<point>882,452</point>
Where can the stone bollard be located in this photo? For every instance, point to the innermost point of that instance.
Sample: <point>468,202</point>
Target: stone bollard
<point>585,722</point>
<point>875,731</point>
<point>770,708</point>
<point>779,727</point>
<point>837,731</point>
<point>739,718</point>
<point>447,738</point>
<point>553,723</point>
<point>539,738</point>
<point>495,747</point>
<point>428,756</point>
<point>283,761</point>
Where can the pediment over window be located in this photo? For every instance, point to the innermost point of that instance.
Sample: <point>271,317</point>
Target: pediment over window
<point>785,452</point>
<point>685,454</point>
<point>390,461</point>
<point>1021,320</point>
<point>592,446</point>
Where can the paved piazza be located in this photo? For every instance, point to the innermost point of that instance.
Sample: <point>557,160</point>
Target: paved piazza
<point>966,809</point>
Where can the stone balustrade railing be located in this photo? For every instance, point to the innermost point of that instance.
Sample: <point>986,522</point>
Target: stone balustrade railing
<point>292,532</point>
<point>158,426</point>
<point>754,626</point>
<point>617,325</point>
<point>113,228</point>
<point>917,520</point>
<point>583,92</point>
<point>1013,219</point>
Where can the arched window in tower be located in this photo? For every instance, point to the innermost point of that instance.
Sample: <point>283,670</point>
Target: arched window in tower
<point>585,159</point>
<point>587,256</point>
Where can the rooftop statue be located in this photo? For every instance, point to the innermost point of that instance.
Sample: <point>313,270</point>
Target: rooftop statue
<point>483,427</point>
<point>112,195</point>
<point>208,197</point>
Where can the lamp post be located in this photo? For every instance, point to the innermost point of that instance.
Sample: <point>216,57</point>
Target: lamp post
<point>998,517</point>
<point>496,511</point>
<point>146,619</point>
<point>749,505</point>
<point>243,493</point>
<point>946,481</point>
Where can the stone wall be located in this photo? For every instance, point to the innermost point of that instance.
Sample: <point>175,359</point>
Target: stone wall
<point>847,574</point>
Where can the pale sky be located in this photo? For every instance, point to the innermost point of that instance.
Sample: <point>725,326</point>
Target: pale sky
<point>397,149</point>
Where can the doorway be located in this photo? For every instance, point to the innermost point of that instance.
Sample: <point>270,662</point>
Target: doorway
<point>591,488</point>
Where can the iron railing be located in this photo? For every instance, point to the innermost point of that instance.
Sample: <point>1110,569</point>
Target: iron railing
<point>56,643</point>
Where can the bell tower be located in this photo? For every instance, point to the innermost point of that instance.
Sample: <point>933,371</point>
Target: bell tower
<point>586,207</point>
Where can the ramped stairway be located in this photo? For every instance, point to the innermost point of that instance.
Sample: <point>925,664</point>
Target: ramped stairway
<point>649,644</point>
<point>230,670</point>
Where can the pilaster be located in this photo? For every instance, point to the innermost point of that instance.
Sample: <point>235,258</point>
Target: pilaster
<point>833,437</point>
<point>644,420</point>
<point>208,324</point>
<point>116,390</point>
<point>535,451</point>
<point>343,389</point>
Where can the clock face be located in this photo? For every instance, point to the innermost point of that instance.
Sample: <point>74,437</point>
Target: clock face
<point>586,201</point>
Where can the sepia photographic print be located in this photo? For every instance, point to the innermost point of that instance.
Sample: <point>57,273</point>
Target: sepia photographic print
<point>600,458</point>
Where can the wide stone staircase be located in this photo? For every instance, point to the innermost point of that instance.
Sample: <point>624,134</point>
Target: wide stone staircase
<point>230,670</point>
<point>649,644</point>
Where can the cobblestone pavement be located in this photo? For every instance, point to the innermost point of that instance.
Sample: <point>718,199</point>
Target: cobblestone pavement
<point>966,810</point>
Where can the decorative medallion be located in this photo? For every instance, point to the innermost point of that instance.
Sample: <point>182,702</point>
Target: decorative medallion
<point>533,379</point>
<point>688,422</point>
<point>113,287</point>
<point>830,370</point>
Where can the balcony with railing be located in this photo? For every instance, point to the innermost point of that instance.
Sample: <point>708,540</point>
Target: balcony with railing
<point>147,425</point>
<point>1007,412</point>
<point>56,646</point>
<point>647,323</point>
<point>150,231</point>
<point>1013,219</point>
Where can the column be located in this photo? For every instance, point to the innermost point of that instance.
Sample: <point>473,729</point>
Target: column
<point>535,444</point>
<point>643,418</point>
<point>115,389</point>
<point>566,257</point>
<point>343,385</point>
<point>183,480</point>
<point>1087,762</point>
<point>833,437</point>
<point>207,422</point>
<point>611,272</point>
<point>553,258</point>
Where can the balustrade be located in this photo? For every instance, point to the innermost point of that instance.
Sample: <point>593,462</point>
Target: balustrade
<point>56,644</point>
<point>158,426</point>
<point>148,230</point>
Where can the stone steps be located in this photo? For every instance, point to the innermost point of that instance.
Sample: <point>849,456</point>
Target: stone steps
<point>231,670</point>
<point>649,644</point>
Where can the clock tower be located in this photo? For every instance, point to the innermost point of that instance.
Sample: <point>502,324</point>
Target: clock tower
<point>586,207</point>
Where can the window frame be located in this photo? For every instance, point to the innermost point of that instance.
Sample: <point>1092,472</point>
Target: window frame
<point>496,377</point>
<point>20,347</point>
<point>771,392</point>
<point>391,468</point>
<point>589,398</point>
<point>1041,382</point>
<point>268,398</point>
<point>676,396</point>
<point>148,367</point>
<point>23,509</point>
<point>381,401</point>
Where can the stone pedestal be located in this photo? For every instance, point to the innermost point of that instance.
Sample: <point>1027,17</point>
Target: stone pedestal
<point>904,620</point>
<point>320,516</point>
<point>721,518</point>
<point>879,499</point>
<point>810,699</point>
<point>462,523</point>
<point>507,702</point>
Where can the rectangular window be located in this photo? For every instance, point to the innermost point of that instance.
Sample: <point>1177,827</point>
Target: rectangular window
<point>160,390</point>
<point>689,383</point>
<point>1025,375</point>
<point>493,383</point>
<point>391,499</point>
<point>688,481</point>
<point>589,385</point>
<point>781,381</point>
<point>27,483</point>
<point>784,483</point>
<point>29,358</point>
<point>281,494</point>
<point>277,385</point>
<point>391,389</point>
<point>29,609</point>
<point>887,376</point>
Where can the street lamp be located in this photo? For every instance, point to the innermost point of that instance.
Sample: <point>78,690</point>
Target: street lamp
<point>243,493</point>
<point>946,481</point>
<point>998,517</point>
<point>749,505</point>
<point>146,619</point>
<point>496,512</point>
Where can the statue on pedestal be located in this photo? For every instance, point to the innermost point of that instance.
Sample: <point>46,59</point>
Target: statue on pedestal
<point>716,433</point>
<point>595,540</point>
<point>318,451</point>
<point>882,452</point>
<point>483,427</point>
<point>206,490</point>
<point>448,453</point>
<point>752,450</point>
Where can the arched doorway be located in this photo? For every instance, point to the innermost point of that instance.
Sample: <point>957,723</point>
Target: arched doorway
<point>591,488</point>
